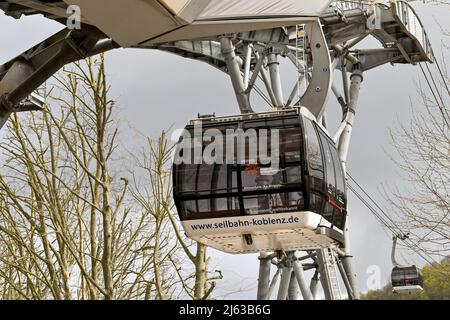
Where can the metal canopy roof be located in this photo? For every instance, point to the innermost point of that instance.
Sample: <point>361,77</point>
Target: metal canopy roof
<point>134,22</point>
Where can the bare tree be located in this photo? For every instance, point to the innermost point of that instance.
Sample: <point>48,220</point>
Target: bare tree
<point>69,226</point>
<point>153,191</point>
<point>423,156</point>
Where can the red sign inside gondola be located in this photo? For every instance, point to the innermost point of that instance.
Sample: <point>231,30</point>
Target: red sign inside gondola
<point>253,169</point>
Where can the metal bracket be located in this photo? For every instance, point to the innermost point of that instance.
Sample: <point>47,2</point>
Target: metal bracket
<point>316,95</point>
<point>394,248</point>
<point>34,102</point>
<point>25,73</point>
<point>372,58</point>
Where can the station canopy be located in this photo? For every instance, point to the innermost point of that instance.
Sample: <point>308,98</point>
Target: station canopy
<point>140,22</point>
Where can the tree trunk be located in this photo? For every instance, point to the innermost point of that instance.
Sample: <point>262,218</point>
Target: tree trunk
<point>201,274</point>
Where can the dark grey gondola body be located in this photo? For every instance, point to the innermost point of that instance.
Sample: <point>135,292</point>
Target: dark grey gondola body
<point>236,209</point>
<point>406,279</point>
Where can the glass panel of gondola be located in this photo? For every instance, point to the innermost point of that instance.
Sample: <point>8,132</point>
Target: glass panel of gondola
<point>260,181</point>
<point>335,203</point>
<point>251,181</point>
<point>407,279</point>
<point>315,160</point>
<point>187,174</point>
<point>205,191</point>
<point>204,179</point>
<point>316,202</point>
<point>224,187</point>
<point>188,209</point>
<point>266,185</point>
<point>329,210</point>
<point>316,170</point>
<point>339,201</point>
<point>291,169</point>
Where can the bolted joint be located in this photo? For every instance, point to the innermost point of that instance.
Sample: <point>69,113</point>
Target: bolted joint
<point>267,257</point>
<point>274,50</point>
<point>226,41</point>
<point>342,103</point>
<point>357,73</point>
<point>352,111</point>
<point>272,59</point>
<point>226,50</point>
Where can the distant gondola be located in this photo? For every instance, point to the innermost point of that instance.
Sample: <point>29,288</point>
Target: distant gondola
<point>295,201</point>
<point>406,279</point>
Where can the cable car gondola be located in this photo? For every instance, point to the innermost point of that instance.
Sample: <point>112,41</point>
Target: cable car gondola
<point>237,201</point>
<point>404,279</point>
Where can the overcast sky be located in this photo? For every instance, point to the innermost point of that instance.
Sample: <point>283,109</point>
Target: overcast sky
<point>156,90</point>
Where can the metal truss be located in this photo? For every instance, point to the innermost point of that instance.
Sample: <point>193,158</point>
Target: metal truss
<point>316,50</point>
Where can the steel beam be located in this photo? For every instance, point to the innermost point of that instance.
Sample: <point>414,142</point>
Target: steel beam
<point>264,276</point>
<point>293,288</point>
<point>248,61</point>
<point>267,83</point>
<point>347,264</point>
<point>323,275</point>
<point>348,285</point>
<point>339,98</point>
<point>19,71</point>
<point>344,141</point>
<point>314,285</point>
<point>301,279</point>
<point>275,78</point>
<point>273,283</point>
<point>256,71</point>
<point>234,70</point>
<point>286,273</point>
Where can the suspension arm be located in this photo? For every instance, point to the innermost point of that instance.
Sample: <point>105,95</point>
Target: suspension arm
<point>25,73</point>
<point>316,95</point>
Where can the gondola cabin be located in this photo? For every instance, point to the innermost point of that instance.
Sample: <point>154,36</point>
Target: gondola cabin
<point>406,279</point>
<point>260,182</point>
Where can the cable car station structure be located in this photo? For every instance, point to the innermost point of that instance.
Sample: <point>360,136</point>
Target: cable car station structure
<point>247,40</point>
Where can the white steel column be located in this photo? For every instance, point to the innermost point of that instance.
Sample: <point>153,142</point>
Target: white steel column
<point>343,148</point>
<point>314,283</point>
<point>344,141</point>
<point>293,288</point>
<point>301,279</point>
<point>234,70</point>
<point>275,78</point>
<point>347,264</point>
<point>285,280</point>
<point>264,276</point>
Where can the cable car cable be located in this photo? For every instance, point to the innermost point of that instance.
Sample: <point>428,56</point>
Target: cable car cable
<point>442,108</point>
<point>374,212</point>
<point>262,95</point>
<point>393,227</point>
<point>373,201</point>
<point>434,228</point>
<point>442,76</point>
<point>409,244</point>
<point>434,95</point>
<point>437,89</point>
<point>398,230</point>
